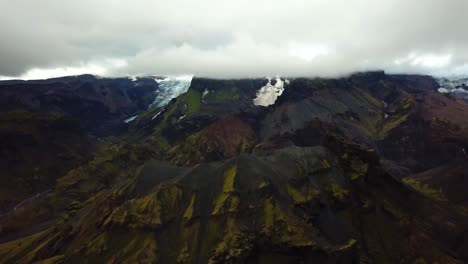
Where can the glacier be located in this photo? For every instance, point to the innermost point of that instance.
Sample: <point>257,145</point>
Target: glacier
<point>169,88</point>
<point>456,86</point>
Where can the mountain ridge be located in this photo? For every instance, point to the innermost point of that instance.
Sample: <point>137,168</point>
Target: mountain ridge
<point>335,171</point>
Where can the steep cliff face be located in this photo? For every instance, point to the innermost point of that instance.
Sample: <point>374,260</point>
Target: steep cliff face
<point>434,133</point>
<point>100,104</point>
<point>335,171</point>
<point>36,149</point>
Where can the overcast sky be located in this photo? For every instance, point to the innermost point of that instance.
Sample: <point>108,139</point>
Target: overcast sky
<point>240,38</point>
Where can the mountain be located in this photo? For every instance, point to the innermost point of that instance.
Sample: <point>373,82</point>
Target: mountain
<point>369,168</point>
<point>50,126</point>
<point>99,103</point>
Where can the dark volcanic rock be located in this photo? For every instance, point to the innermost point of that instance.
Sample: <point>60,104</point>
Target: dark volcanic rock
<point>101,104</point>
<point>362,169</point>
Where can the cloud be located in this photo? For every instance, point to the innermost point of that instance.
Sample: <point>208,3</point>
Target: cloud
<point>100,68</point>
<point>244,38</point>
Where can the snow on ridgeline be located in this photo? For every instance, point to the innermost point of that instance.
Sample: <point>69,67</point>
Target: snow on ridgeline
<point>268,94</point>
<point>455,86</point>
<point>169,88</point>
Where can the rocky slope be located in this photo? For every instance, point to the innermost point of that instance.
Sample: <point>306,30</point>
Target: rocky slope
<point>100,104</point>
<point>48,127</point>
<point>363,169</point>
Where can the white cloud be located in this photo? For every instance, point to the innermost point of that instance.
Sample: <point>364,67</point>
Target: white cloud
<point>432,60</point>
<point>220,38</point>
<point>66,71</point>
<point>308,52</point>
<point>101,69</point>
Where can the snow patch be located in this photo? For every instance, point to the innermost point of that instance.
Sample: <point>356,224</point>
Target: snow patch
<point>158,80</point>
<point>182,117</point>
<point>385,104</point>
<point>443,90</point>
<point>130,119</point>
<point>268,94</point>
<point>205,93</point>
<point>156,115</point>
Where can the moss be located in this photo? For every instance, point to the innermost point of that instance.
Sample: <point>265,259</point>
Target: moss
<point>192,99</point>
<point>282,228</point>
<point>372,123</point>
<point>235,245</point>
<point>272,214</point>
<point>368,121</point>
<point>227,93</point>
<point>407,102</point>
<point>245,146</point>
<point>141,249</point>
<point>391,123</point>
<point>234,202</point>
<point>269,213</point>
<point>222,90</point>
<point>367,204</point>
<point>170,196</point>
<point>229,177</point>
<point>301,197</point>
<point>184,256</point>
<point>188,152</point>
<point>371,99</point>
<point>188,214</point>
<point>98,245</point>
<point>31,248</point>
<point>420,261</point>
<point>337,191</point>
<point>111,247</point>
<point>462,209</point>
<point>12,251</point>
<point>148,212</point>
<point>262,184</point>
<point>227,200</point>
<point>300,171</point>
<point>147,115</point>
<point>53,260</point>
<point>325,164</point>
<point>394,120</point>
<point>359,169</point>
<point>425,189</point>
<point>348,245</point>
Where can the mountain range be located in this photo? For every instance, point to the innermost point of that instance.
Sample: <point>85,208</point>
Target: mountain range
<point>368,168</point>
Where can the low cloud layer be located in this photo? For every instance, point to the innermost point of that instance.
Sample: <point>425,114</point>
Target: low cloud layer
<point>219,38</point>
